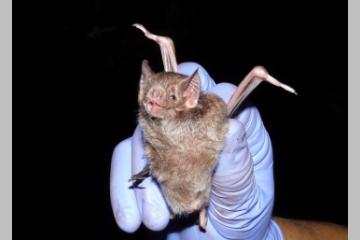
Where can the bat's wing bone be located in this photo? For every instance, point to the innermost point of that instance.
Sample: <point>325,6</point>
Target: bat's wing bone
<point>167,48</point>
<point>249,83</point>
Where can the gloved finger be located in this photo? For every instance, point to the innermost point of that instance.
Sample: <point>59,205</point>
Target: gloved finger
<point>175,236</point>
<point>260,147</point>
<point>235,164</point>
<point>123,199</point>
<point>189,68</point>
<point>257,137</point>
<point>248,208</point>
<point>223,90</point>
<point>234,189</point>
<point>152,205</point>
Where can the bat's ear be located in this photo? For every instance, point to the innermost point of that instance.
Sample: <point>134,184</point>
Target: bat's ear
<point>145,69</point>
<point>146,73</point>
<point>192,90</point>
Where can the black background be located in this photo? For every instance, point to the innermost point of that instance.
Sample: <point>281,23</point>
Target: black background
<point>301,43</point>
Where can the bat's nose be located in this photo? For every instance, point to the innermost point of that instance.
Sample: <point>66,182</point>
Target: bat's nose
<point>156,101</point>
<point>156,95</point>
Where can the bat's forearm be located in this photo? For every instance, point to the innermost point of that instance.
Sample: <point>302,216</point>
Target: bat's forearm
<point>250,82</point>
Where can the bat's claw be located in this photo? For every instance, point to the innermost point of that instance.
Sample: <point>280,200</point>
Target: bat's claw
<point>137,177</point>
<point>136,180</point>
<point>140,176</point>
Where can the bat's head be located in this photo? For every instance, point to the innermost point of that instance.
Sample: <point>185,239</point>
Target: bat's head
<point>166,95</point>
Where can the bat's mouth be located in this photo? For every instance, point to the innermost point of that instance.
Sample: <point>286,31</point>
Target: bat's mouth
<point>153,103</point>
<point>154,108</point>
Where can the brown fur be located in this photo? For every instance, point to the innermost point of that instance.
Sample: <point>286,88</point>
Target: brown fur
<point>183,152</point>
<point>182,143</point>
<point>183,139</point>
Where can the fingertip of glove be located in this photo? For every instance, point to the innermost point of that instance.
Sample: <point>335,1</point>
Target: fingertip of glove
<point>236,128</point>
<point>155,218</point>
<point>223,90</point>
<point>124,145</point>
<point>128,219</point>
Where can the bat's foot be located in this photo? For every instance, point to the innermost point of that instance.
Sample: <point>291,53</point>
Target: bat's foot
<point>139,177</point>
<point>203,219</point>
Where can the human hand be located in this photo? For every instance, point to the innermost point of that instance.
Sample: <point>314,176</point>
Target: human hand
<point>241,200</point>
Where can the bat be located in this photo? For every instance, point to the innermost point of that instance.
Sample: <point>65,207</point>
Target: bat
<point>184,129</point>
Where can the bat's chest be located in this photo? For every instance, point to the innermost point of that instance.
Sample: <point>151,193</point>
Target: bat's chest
<point>187,135</point>
<point>189,145</point>
<point>186,144</point>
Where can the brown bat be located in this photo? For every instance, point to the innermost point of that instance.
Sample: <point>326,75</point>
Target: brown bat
<point>184,129</point>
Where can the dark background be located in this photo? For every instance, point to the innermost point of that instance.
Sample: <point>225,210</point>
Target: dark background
<point>303,44</point>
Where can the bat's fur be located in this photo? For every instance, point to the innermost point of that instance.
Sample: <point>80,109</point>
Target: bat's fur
<point>182,143</point>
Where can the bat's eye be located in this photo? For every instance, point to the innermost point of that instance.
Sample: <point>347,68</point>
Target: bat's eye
<point>173,97</point>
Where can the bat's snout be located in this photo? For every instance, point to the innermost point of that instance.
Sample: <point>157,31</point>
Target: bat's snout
<point>153,107</point>
<point>156,97</point>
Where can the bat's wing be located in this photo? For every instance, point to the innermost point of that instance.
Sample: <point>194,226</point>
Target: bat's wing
<point>249,83</point>
<point>167,48</point>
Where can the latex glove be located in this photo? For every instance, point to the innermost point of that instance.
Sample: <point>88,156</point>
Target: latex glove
<point>242,195</point>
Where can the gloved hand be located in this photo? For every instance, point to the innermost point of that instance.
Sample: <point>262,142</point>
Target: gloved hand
<point>242,194</point>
